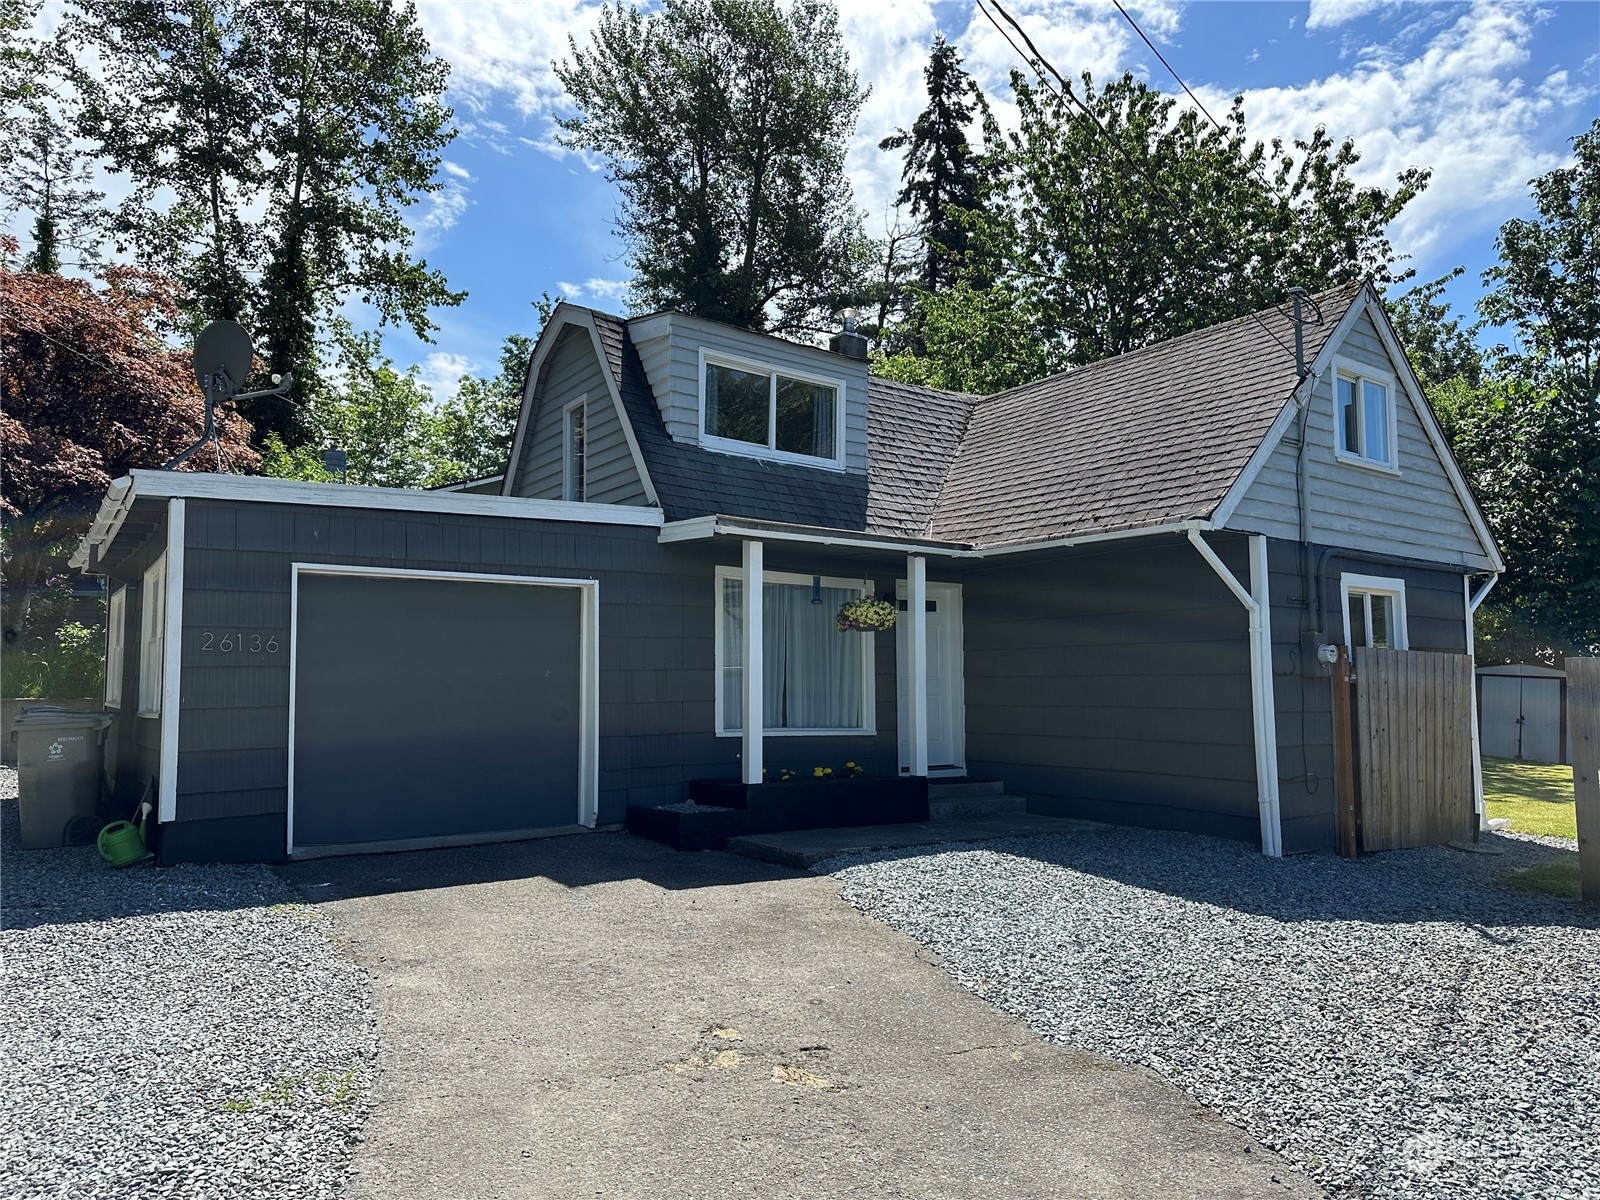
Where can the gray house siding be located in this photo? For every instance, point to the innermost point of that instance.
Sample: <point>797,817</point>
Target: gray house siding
<point>1415,514</point>
<point>1435,620</point>
<point>133,751</point>
<point>572,370</point>
<point>656,656</point>
<point>1115,685</point>
<point>669,349</point>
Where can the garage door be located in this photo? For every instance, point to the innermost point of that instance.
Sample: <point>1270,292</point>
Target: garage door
<point>433,708</point>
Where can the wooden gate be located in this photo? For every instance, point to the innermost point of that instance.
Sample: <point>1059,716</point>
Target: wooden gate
<point>1413,735</point>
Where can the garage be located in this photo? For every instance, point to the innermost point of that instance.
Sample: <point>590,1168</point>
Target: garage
<point>437,708</point>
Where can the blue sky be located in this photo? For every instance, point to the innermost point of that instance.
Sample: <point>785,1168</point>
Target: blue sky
<point>1488,94</point>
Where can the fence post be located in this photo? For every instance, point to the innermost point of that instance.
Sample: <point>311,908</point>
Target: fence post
<point>1583,716</point>
<point>1344,764</point>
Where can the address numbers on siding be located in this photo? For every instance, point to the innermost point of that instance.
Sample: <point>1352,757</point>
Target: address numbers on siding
<point>239,643</point>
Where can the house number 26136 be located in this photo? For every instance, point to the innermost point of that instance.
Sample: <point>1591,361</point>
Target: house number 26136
<point>244,643</point>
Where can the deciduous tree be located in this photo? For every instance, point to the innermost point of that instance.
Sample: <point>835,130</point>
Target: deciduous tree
<point>724,125</point>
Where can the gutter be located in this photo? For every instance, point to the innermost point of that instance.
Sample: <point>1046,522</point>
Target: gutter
<point>1263,712</point>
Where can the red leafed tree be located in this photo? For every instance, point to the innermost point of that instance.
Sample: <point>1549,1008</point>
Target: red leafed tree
<point>89,389</point>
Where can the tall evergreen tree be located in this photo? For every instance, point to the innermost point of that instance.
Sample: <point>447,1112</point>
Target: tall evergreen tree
<point>290,138</point>
<point>724,124</point>
<point>942,177</point>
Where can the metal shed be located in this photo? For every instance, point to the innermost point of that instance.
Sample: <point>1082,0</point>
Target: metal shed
<point>1522,712</point>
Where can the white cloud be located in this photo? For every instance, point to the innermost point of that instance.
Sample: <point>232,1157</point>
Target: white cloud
<point>1460,106</point>
<point>594,289</point>
<point>441,372</point>
<point>1327,14</point>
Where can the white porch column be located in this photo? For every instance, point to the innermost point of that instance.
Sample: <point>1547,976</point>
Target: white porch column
<point>916,643</point>
<point>754,682</point>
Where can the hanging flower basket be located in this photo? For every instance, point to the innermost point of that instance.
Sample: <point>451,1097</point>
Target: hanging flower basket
<point>866,615</point>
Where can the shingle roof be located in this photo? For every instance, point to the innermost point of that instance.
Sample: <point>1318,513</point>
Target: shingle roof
<point>1153,436</point>
<point>1150,437</point>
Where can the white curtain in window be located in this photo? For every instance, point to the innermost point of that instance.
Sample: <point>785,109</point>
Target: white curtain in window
<point>812,673</point>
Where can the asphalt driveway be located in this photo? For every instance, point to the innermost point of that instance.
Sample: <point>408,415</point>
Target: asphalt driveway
<point>601,1016</point>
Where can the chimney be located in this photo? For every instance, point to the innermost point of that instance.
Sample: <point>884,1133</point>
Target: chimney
<point>849,343</point>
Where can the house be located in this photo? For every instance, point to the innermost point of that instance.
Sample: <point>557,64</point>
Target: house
<point>1113,587</point>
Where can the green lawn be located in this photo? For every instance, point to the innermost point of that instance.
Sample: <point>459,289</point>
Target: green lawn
<point>1537,797</point>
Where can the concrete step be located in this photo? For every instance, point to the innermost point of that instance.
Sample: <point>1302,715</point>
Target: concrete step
<point>969,808</point>
<point>806,847</point>
<point>940,789</point>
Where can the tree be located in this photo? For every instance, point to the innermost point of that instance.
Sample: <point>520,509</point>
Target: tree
<point>290,139</point>
<point>1530,438</point>
<point>1134,222</point>
<point>724,124</point>
<point>88,391</point>
<point>474,428</point>
<point>943,176</point>
<point>1440,348</point>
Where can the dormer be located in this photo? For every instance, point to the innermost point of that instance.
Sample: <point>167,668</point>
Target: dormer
<point>733,391</point>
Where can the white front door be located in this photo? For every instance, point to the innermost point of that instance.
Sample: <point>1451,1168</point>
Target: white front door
<point>947,725</point>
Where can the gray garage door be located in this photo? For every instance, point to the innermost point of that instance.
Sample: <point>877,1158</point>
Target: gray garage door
<point>433,708</point>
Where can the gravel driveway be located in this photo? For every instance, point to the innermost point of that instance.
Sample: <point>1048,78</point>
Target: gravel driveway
<point>1398,1026</point>
<point>180,1033</point>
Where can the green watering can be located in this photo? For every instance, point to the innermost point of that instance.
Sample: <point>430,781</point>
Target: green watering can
<point>122,842</point>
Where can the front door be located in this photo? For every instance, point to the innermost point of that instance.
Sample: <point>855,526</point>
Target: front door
<point>947,726</point>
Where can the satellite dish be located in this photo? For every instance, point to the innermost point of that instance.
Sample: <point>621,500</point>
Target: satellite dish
<point>223,346</point>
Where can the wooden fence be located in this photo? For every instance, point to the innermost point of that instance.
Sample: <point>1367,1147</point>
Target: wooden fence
<point>1413,735</point>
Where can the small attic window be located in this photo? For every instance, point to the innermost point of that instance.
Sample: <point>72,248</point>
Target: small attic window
<point>747,408</point>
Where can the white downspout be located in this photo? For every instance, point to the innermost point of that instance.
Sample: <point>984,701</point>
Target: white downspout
<point>1472,662</point>
<point>754,683</point>
<point>1263,718</point>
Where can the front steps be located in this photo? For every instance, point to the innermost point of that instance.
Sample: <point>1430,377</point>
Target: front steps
<point>971,799</point>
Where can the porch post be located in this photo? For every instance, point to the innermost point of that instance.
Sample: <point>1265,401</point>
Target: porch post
<point>754,683</point>
<point>916,644</point>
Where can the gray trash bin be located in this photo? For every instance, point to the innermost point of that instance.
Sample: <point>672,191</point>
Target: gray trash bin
<point>59,766</point>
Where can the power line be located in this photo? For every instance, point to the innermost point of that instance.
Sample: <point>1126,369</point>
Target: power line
<point>1169,68</point>
<point>1064,93</point>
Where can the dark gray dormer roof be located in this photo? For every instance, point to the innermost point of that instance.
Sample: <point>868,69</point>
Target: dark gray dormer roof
<point>1151,437</point>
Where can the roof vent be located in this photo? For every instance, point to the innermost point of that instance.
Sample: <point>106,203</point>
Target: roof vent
<point>849,343</point>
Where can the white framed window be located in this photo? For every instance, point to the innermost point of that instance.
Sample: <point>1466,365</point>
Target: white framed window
<point>816,680</point>
<point>152,637</point>
<point>116,632</point>
<point>575,450</point>
<point>1365,427</point>
<point>1374,611</point>
<point>755,409</point>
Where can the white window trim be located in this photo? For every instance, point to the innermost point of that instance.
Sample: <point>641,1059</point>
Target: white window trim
<point>750,449</point>
<point>152,636</point>
<point>869,711</point>
<point>568,492</point>
<point>116,644</point>
<point>1378,585</point>
<point>1356,372</point>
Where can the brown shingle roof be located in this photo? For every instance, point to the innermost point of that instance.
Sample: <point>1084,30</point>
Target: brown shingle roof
<point>1153,436</point>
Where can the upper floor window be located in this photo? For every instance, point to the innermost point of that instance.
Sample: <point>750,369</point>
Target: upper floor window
<point>575,455</point>
<point>767,413</point>
<point>1365,417</point>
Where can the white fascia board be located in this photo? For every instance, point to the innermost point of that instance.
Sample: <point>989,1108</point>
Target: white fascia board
<point>261,489</point>
<point>697,529</point>
<point>548,337</point>
<point>107,520</point>
<point>1430,425</point>
<point>1300,397</point>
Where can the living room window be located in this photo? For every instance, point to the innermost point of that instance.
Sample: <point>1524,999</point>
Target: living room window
<point>747,408</point>
<point>816,679</point>
<point>1364,418</point>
